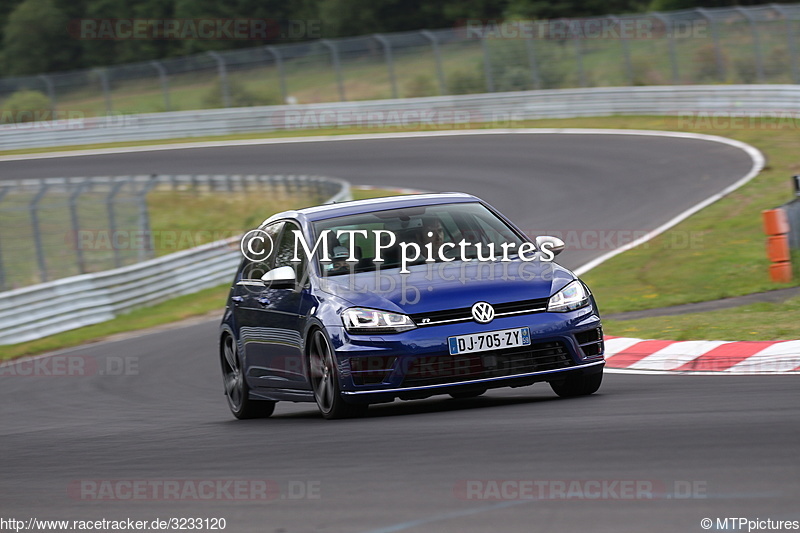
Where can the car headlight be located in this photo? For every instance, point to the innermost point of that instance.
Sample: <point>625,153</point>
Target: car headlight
<point>363,320</point>
<point>574,296</point>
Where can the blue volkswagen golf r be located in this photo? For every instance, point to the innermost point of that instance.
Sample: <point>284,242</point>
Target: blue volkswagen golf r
<point>404,297</point>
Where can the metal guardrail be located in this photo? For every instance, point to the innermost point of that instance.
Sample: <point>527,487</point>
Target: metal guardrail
<point>792,210</point>
<point>37,311</point>
<point>498,109</point>
<point>59,227</point>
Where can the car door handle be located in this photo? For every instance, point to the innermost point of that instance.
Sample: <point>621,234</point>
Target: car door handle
<point>263,301</point>
<point>237,299</point>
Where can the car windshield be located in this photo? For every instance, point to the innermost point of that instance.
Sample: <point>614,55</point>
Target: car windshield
<point>390,238</point>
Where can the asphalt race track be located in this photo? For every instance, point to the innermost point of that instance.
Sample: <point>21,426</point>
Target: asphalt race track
<point>151,409</point>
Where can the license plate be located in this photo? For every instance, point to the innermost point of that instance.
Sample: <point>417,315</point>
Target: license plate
<point>491,340</point>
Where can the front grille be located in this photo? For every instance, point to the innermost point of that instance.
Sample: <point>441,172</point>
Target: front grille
<point>443,369</point>
<point>465,313</point>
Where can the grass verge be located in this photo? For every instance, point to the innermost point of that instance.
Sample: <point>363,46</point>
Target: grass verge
<point>755,322</point>
<point>172,310</point>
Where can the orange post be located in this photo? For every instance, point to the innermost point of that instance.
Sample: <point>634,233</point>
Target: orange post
<point>776,226</point>
<point>775,222</point>
<point>778,248</point>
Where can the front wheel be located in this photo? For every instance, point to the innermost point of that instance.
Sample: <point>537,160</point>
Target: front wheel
<point>236,389</point>
<point>582,385</point>
<point>325,380</point>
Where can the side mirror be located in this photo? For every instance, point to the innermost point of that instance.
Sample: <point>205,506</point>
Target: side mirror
<point>280,278</point>
<point>554,244</point>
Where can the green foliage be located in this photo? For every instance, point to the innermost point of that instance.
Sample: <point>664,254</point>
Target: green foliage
<point>420,85</point>
<point>240,96</point>
<point>704,62</point>
<point>510,65</point>
<point>746,69</point>
<point>35,39</point>
<point>778,61</point>
<point>644,74</point>
<point>514,79</point>
<point>466,82</point>
<point>26,106</point>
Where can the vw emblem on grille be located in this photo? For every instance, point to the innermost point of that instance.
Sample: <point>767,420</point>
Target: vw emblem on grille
<point>482,312</point>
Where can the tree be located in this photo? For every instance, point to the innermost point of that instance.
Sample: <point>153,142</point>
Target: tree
<point>35,39</point>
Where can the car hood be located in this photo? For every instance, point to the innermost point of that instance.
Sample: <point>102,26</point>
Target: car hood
<point>441,286</point>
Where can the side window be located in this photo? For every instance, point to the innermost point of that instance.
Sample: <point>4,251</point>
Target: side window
<point>285,251</point>
<point>256,269</point>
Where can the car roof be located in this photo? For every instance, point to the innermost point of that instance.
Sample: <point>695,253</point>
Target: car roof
<point>355,207</point>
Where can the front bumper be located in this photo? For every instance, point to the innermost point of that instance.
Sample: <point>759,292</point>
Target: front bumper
<point>417,363</point>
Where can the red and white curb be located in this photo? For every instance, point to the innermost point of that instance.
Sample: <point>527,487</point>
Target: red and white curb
<point>707,357</point>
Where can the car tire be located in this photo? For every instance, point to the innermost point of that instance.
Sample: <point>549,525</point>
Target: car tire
<point>235,385</point>
<point>582,385</point>
<point>467,394</point>
<point>325,380</point>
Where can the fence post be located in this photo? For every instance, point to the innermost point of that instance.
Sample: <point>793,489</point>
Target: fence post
<point>51,92</point>
<point>437,56</point>
<point>791,41</point>
<point>337,67</point>
<point>756,43</point>
<point>146,251</point>
<point>162,76</point>
<point>531,50</point>
<point>112,223</point>
<point>673,57</point>
<point>487,66</point>
<point>103,74</point>
<point>223,78</point>
<point>73,215</point>
<point>626,51</point>
<point>3,192</point>
<point>715,37</point>
<point>576,38</point>
<point>387,52</point>
<point>276,55</point>
<point>37,233</point>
